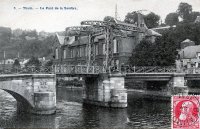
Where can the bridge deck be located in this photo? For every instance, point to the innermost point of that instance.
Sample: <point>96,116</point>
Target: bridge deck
<point>135,72</point>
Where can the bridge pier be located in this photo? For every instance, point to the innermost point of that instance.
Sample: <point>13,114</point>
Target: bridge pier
<point>105,90</point>
<point>34,93</point>
<point>178,85</point>
<point>44,103</point>
<point>44,94</point>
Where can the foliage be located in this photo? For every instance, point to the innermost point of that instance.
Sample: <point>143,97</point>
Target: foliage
<point>151,20</point>
<point>16,65</point>
<point>184,11</point>
<point>70,83</point>
<point>193,16</point>
<point>172,19</point>
<point>33,62</point>
<point>131,18</point>
<point>164,51</point>
<point>142,55</point>
<point>49,63</point>
<point>108,19</point>
<point>5,36</point>
<point>17,42</point>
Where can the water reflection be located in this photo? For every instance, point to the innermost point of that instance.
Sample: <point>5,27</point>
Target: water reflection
<point>104,117</point>
<point>71,113</point>
<point>148,113</point>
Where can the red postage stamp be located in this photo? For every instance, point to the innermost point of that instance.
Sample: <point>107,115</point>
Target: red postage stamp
<point>185,112</point>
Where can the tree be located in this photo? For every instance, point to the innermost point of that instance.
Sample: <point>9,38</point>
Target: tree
<point>108,19</point>
<point>151,20</point>
<point>171,19</point>
<point>131,18</point>
<point>49,63</point>
<point>184,11</point>
<point>164,51</point>
<point>33,61</point>
<point>194,15</point>
<point>16,65</point>
<point>142,55</point>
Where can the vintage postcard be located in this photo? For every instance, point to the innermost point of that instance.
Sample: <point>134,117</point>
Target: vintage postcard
<point>100,64</point>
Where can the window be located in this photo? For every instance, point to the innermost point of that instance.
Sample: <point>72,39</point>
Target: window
<point>74,52</point>
<point>198,55</point>
<point>56,53</point>
<point>86,51</point>
<point>78,52</point>
<point>96,49</point>
<point>104,49</point>
<point>141,25</point>
<point>71,53</point>
<point>116,46</point>
<point>76,38</point>
<point>82,51</point>
<point>64,54</point>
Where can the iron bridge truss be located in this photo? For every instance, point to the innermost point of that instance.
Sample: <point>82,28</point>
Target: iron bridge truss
<point>95,28</point>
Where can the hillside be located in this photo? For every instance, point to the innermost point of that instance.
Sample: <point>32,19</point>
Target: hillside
<point>25,43</point>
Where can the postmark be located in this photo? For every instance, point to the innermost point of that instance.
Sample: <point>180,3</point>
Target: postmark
<point>185,112</point>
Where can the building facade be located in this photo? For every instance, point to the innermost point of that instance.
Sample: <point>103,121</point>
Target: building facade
<point>189,55</point>
<point>73,50</point>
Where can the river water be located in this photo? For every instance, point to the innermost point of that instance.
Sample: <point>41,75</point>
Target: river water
<point>70,113</point>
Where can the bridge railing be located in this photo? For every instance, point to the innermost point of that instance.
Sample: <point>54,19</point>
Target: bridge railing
<point>148,69</point>
<point>84,69</point>
<point>28,70</point>
<point>78,69</point>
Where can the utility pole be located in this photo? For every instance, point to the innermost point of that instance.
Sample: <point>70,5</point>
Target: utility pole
<point>4,61</point>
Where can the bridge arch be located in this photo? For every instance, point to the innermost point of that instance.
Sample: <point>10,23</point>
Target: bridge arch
<point>35,93</point>
<point>23,105</point>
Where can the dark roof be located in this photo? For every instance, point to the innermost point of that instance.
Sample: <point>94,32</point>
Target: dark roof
<point>81,41</point>
<point>69,40</point>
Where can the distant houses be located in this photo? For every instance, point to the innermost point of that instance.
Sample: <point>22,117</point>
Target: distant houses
<point>197,19</point>
<point>189,55</point>
<point>7,64</point>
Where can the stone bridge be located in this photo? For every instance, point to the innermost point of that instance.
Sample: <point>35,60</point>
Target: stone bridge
<point>35,93</point>
<point>106,87</point>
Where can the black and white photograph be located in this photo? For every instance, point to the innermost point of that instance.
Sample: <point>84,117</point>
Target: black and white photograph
<point>130,64</point>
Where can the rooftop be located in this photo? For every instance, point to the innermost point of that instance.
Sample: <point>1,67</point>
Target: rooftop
<point>197,19</point>
<point>189,52</point>
<point>187,41</point>
<point>61,38</point>
<point>151,32</point>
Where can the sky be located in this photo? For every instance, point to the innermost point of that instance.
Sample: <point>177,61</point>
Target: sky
<point>17,13</point>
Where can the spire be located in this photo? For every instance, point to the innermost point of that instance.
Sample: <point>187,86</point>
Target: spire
<point>116,11</point>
